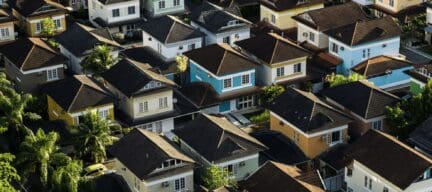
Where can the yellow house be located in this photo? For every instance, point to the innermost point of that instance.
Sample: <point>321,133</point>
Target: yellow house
<point>71,98</point>
<point>279,12</point>
<point>398,9</point>
<point>310,123</point>
<point>31,13</point>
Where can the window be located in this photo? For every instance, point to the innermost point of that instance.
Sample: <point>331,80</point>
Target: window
<point>130,28</point>
<point>176,2</point>
<point>245,79</point>
<point>158,126</point>
<point>335,137</point>
<point>391,3</point>
<point>4,32</point>
<point>103,113</point>
<point>385,189</point>
<point>52,74</point>
<point>296,137</point>
<point>273,19</point>
<point>38,27</point>
<point>245,102</point>
<point>226,39</point>
<point>148,126</point>
<point>161,4</point>
<point>297,68</point>
<point>368,182</point>
<point>232,169</point>
<point>179,184</point>
<point>227,83</point>
<point>115,12</point>
<point>280,72</point>
<point>159,48</point>
<point>311,36</point>
<point>366,53</point>
<point>349,189</point>
<point>181,47</point>
<point>131,10</point>
<point>335,48</point>
<point>377,125</point>
<point>163,103</point>
<point>143,107</point>
<point>191,46</point>
<point>57,23</point>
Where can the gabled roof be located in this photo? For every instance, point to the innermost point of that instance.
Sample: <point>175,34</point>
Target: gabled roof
<point>272,48</point>
<point>80,39</point>
<point>130,77</point>
<point>380,65</point>
<point>278,177</point>
<point>78,93</point>
<point>421,137</point>
<point>282,5</point>
<point>31,53</point>
<point>143,151</point>
<point>107,2</point>
<point>307,112</point>
<point>332,17</point>
<point>362,98</point>
<point>218,140</point>
<point>361,32</point>
<point>388,157</point>
<point>6,16</point>
<point>149,56</point>
<point>36,7</point>
<point>221,59</point>
<point>169,29</point>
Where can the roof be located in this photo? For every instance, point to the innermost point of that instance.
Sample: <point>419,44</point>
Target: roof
<point>140,146</point>
<point>78,93</point>
<point>221,59</point>
<point>111,182</point>
<point>378,151</point>
<point>370,101</point>
<point>307,112</point>
<point>421,137</point>
<point>149,56</point>
<point>169,29</point>
<point>278,177</point>
<point>365,31</point>
<point>282,5</point>
<point>80,39</point>
<point>107,2</point>
<point>31,53</point>
<point>218,140</point>
<point>380,65</point>
<point>130,77</point>
<point>340,15</point>
<point>416,74</point>
<point>6,16</point>
<point>29,8</point>
<point>336,157</point>
<point>272,48</point>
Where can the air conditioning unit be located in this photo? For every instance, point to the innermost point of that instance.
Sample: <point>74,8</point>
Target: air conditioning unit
<point>165,184</point>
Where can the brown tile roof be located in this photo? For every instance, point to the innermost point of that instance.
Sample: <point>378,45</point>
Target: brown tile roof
<point>29,8</point>
<point>379,65</point>
<point>282,5</point>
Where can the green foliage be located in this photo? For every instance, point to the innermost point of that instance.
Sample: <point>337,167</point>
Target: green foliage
<point>48,28</point>
<point>271,92</point>
<point>338,79</point>
<point>182,63</point>
<point>414,28</point>
<point>99,60</point>
<point>8,173</point>
<point>53,43</point>
<point>67,177</point>
<point>261,118</point>
<point>215,177</point>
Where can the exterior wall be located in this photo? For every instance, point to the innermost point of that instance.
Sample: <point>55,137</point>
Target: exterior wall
<point>153,104</point>
<point>398,4</point>
<point>153,10</point>
<point>235,35</point>
<point>270,73</point>
<point>97,9</point>
<point>365,2</point>
<point>396,78</point>
<point>166,126</point>
<point>29,24</point>
<point>429,16</point>
<point>11,29</point>
<point>321,40</point>
<point>283,18</point>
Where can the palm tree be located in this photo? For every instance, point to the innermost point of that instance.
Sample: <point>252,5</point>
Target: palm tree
<point>92,136</point>
<point>8,173</point>
<point>99,60</point>
<point>67,177</point>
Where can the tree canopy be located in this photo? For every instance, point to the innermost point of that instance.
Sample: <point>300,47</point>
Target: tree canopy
<point>182,63</point>
<point>8,173</point>
<point>215,177</point>
<point>271,92</point>
<point>338,79</point>
<point>99,60</point>
<point>48,28</point>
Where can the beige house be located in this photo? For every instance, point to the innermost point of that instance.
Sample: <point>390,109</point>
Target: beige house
<point>398,9</point>
<point>7,28</point>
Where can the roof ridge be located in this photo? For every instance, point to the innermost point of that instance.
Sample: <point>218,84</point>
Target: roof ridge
<point>27,56</point>
<point>76,95</point>
<point>355,29</point>
<point>170,30</point>
<point>369,102</point>
<point>274,51</point>
<point>223,57</point>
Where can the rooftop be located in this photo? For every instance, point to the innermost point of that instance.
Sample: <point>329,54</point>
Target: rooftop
<point>380,65</point>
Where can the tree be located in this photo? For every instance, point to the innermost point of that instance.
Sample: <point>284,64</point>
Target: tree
<point>99,60</point>
<point>48,28</point>
<point>415,27</point>
<point>215,177</point>
<point>92,136</point>
<point>8,173</point>
<point>182,63</point>
<point>338,79</point>
<point>271,92</point>
<point>67,177</point>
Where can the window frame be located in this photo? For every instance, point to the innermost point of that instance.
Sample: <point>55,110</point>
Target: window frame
<point>115,13</point>
<point>161,4</point>
<point>225,83</point>
<point>245,79</point>
<point>131,10</point>
<point>52,74</point>
<point>297,68</point>
<point>280,71</point>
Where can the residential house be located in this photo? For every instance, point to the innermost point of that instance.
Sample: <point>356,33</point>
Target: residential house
<point>218,25</point>
<point>157,8</point>
<point>75,5</point>
<point>363,101</point>
<point>402,10</point>
<point>305,119</point>
<point>78,42</point>
<point>278,177</point>
<point>279,12</point>
<point>331,166</point>
<point>365,2</point>
<point>385,72</point>
<point>30,14</point>
<point>428,28</point>
<point>171,37</point>
<point>373,166</point>
<point>362,40</point>
<point>230,77</point>
<point>119,16</point>
<point>281,61</point>
<point>73,97</point>
<point>421,137</point>
<point>30,63</point>
<point>149,163</point>
<point>7,27</point>
<point>312,25</point>
<point>214,141</point>
<point>419,76</point>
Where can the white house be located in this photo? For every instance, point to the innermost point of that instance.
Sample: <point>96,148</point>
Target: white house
<point>365,2</point>
<point>157,8</point>
<point>428,29</point>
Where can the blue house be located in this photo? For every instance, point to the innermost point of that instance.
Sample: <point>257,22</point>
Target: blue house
<point>359,41</point>
<point>222,75</point>
<point>385,72</point>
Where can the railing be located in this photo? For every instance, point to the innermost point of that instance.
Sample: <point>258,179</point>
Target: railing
<point>334,183</point>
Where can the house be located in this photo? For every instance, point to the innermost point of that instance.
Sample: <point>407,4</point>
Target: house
<point>385,72</point>
<point>119,16</point>
<point>281,61</point>
<point>421,137</point>
<point>230,74</point>
<point>312,25</point>
<point>158,8</point>
<point>362,40</point>
<point>30,14</point>
<point>149,163</point>
<point>79,40</point>
<point>30,63</point>
<point>365,102</point>
<point>278,177</point>
<point>309,122</point>
<point>331,166</point>
<point>73,97</point>
<point>171,37</point>
<point>75,5</point>
<point>428,28</point>
<point>373,166</point>
<point>7,27</point>
<point>279,12</point>
<point>218,25</point>
<point>213,140</point>
<point>419,76</point>
<point>402,10</point>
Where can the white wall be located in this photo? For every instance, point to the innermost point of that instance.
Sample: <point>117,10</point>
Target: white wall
<point>365,2</point>
<point>74,62</point>
<point>212,38</point>
<point>320,40</point>
<point>429,15</point>
<point>11,30</point>
<point>152,7</point>
<point>105,11</point>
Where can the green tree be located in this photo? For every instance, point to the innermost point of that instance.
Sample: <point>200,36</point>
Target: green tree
<point>99,60</point>
<point>182,63</point>
<point>48,28</point>
<point>215,177</point>
<point>414,28</point>
<point>8,173</point>
<point>92,136</point>
<point>67,177</point>
<point>338,79</point>
<point>271,92</point>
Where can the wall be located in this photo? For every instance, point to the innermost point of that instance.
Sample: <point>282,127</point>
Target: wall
<point>11,29</point>
<point>249,165</point>
<point>396,78</point>
<point>212,38</point>
<point>74,63</point>
<point>29,24</point>
<point>167,125</point>
<point>283,18</point>
<point>357,179</point>
<point>97,9</point>
<point>153,103</point>
<point>321,40</point>
<point>152,8</point>
<point>398,4</point>
<point>364,2</point>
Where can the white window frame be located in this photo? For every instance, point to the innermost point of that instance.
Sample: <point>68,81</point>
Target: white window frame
<point>103,113</point>
<point>280,71</point>
<point>161,4</point>
<point>176,3</point>
<point>143,107</point>
<point>115,11</point>
<point>245,79</point>
<point>52,74</point>
<point>131,8</point>
<point>57,23</point>
<point>273,19</point>
<point>297,68</point>
<point>38,27</point>
<point>227,83</point>
<point>180,184</point>
<point>378,125</point>
<point>5,32</point>
<point>245,102</point>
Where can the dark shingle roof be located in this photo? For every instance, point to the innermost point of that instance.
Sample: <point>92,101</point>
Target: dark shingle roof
<point>31,53</point>
<point>168,29</point>
<point>6,16</point>
<point>379,65</point>
<point>421,137</point>
<point>78,93</point>
<point>370,101</point>
<point>389,158</point>
<point>282,5</point>
<point>217,140</point>
<point>147,55</point>
<point>220,59</point>
<point>272,48</point>
<point>107,2</point>
<point>366,31</point>
<point>143,151</point>
<point>307,112</point>
<point>36,7</point>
